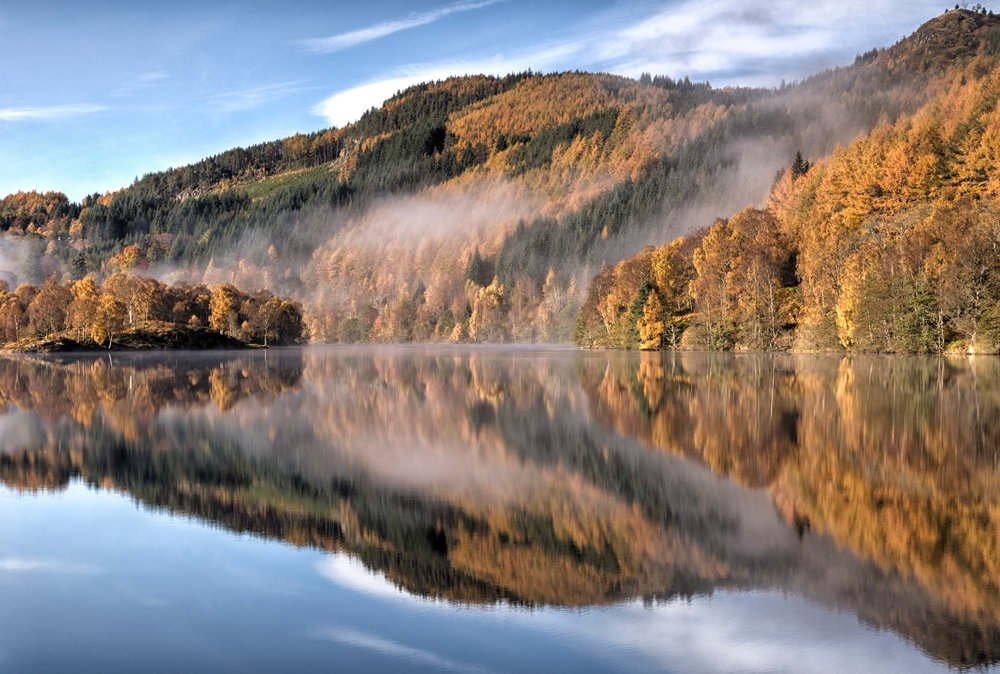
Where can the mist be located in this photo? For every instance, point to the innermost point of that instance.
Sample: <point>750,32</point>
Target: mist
<point>813,117</point>
<point>13,257</point>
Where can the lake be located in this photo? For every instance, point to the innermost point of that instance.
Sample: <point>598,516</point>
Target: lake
<point>491,510</point>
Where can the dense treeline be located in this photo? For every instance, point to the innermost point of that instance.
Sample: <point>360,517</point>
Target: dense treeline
<point>712,157</point>
<point>924,281</point>
<point>96,313</point>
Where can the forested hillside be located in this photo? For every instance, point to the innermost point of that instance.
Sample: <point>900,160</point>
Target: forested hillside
<point>891,244</point>
<point>479,208</point>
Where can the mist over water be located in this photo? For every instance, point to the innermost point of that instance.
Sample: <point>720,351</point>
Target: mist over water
<point>358,493</point>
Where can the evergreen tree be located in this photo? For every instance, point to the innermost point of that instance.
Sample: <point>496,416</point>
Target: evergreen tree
<point>477,270</point>
<point>800,166</point>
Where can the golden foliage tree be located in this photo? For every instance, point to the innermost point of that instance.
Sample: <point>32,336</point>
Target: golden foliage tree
<point>222,316</point>
<point>651,325</point>
<point>488,313</point>
<point>83,309</point>
<point>109,319</point>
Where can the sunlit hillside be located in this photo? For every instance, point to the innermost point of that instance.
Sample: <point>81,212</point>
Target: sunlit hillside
<point>478,208</point>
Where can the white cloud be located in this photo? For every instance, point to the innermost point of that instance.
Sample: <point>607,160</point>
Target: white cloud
<point>756,42</point>
<point>47,112</point>
<point>394,649</point>
<point>348,105</point>
<point>253,97</point>
<point>352,574</point>
<point>327,45</point>
<point>747,42</point>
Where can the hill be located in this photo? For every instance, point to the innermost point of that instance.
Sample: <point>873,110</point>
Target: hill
<point>477,208</point>
<point>888,245</point>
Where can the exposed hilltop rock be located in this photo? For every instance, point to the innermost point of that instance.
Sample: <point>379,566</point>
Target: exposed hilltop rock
<point>943,42</point>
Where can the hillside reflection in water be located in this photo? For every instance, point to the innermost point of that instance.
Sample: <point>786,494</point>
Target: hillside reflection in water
<point>800,513</point>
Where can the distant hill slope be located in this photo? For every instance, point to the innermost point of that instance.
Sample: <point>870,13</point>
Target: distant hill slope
<point>477,208</point>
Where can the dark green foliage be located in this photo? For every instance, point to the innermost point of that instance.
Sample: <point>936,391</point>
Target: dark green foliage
<point>800,166</point>
<point>478,270</point>
<point>207,222</point>
<point>989,327</point>
<point>635,313</point>
<point>78,268</point>
<point>425,101</point>
<point>895,314</point>
<point>537,151</point>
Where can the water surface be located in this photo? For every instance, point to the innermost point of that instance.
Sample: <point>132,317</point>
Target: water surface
<point>498,511</point>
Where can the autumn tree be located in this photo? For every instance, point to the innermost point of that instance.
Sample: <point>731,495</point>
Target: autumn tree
<point>47,310</point>
<point>267,320</point>
<point>109,319</point>
<point>223,316</point>
<point>82,310</point>
<point>761,272</point>
<point>714,323</point>
<point>489,311</point>
<point>13,321</point>
<point>962,265</point>
<point>590,330</point>
<point>127,260</point>
<point>522,310</point>
<point>651,325</point>
<point>622,305</point>
<point>557,309</point>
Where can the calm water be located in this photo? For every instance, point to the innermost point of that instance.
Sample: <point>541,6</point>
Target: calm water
<point>489,511</point>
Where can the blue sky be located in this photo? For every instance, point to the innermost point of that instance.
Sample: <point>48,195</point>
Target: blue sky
<point>93,94</point>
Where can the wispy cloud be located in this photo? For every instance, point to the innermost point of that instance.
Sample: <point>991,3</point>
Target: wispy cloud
<point>31,565</point>
<point>140,83</point>
<point>746,42</point>
<point>734,41</point>
<point>333,43</point>
<point>47,112</point>
<point>253,97</point>
<point>394,649</point>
